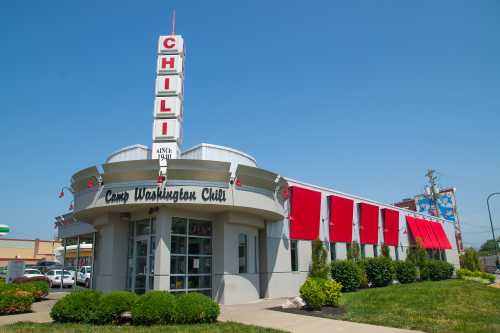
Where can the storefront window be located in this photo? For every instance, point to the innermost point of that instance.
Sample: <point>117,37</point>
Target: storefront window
<point>375,251</point>
<point>396,252</point>
<point>191,256</point>
<point>243,253</point>
<point>294,255</point>
<point>363,254</point>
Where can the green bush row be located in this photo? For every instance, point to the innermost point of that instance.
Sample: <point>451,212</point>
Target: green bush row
<point>381,271</point>
<point>464,272</point>
<point>18,297</point>
<point>154,307</point>
<point>317,292</point>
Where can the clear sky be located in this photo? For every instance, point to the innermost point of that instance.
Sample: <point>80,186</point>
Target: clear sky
<point>360,96</point>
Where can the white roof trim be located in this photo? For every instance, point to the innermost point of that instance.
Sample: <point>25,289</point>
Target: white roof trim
<point>222,148</point>
<point>116,152</point>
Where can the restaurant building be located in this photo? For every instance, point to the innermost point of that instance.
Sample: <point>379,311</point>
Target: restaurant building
<point>208,219</point>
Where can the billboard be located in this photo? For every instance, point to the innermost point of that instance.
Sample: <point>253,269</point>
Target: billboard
<point>444,207</point>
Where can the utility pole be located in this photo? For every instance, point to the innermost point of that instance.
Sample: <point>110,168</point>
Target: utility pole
<point>433,190</point>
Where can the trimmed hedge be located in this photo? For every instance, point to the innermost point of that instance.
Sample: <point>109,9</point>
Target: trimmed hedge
<point>312,293</point>
<point>440,270</point>
<point>347,273</point>
<point>195,308</point>
<point>113,305</point>
<point>464,272</point>
<point>379,271</point>
<point>154,307</point>
<point>406,272</point>
<point>77,307</point>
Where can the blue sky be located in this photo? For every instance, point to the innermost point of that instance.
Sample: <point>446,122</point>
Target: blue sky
<point>360,96</point>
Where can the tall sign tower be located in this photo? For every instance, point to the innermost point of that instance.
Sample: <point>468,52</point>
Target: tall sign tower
<point>167,125</point>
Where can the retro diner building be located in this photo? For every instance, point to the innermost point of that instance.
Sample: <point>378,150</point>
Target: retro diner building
<point>210,220</point>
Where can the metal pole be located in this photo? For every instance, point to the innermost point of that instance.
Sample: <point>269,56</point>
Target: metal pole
<point>491,221</point>
<point>77,266</point>
<point>64,264</point>
<point>92,268</point>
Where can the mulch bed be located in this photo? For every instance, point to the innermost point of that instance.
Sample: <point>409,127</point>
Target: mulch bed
<point>326,312</point>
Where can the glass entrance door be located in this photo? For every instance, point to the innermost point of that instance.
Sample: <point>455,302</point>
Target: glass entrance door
<point>141,256</point>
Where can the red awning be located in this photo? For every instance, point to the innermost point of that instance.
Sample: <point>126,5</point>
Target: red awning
<point>441,234</point>
<point>426,237</point>
<point>415,230</point>
<point>304,213</point>
<point>391,227</point>
<point>341,213</point>
<point>368,218</point>
<point>433,237</point>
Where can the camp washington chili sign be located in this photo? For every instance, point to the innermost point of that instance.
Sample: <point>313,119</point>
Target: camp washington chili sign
<point>143,194</point>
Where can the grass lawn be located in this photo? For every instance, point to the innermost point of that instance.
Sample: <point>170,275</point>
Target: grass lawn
<point>225,327</point>
<point>434,306</point>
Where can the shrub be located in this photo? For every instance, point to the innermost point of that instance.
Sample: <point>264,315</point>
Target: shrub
<point>38,287</point>
<point>331,290</point>
<point>15,301</point>
<point>319,267</point>
<point>363,279</point>
<point>154,307</point>
<point>113,305</point>
<point>406,272</point>
<point>417,255</point>
<point>470,260</point>
<point>465,273</point>
<point>312,293</point>
<point>386,252</point>
<point>196,308</point>
<point>77,307</point>
<point>354,251</point>
<point>440,270</point>
<point>380,271</point>
<point>347,273</point>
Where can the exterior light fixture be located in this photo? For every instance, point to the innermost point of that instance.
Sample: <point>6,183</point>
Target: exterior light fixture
<point>61,193</point>
<point>160,180</point>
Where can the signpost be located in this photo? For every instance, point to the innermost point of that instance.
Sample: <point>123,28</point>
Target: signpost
<point>168,106</point>
<point>15,269</point>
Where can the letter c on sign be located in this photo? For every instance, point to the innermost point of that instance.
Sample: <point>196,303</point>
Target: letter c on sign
<point>169,42</point>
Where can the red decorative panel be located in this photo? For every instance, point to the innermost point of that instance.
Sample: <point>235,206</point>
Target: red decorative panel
<point>368,220</point>
<point>391,227</point>
<point>341,213</point>
<point>305,213</point>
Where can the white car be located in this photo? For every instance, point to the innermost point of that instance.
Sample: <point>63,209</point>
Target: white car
<point>31,272</point>
<point>54,277</point>
<point>83,276</point>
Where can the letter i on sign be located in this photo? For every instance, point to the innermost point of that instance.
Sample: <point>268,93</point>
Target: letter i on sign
<point>164,128</point>
<point>167,83</point>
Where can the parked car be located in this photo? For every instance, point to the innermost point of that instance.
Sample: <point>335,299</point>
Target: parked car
<point>83,276</point>
<point>31,272</point>
<point>55,278</point>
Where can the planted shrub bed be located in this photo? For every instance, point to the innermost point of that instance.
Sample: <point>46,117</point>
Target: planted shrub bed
<point>18,296</point>
<point>152,308</point>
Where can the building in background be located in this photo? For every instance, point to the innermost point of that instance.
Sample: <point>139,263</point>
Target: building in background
<point>29,250</point>
<point>444,205</point>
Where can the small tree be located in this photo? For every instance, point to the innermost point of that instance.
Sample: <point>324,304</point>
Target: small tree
<point>385,251</point>
<point>319,267</point>
<point>417,255</point>
<point>354,251</point>
<point>470,260</point>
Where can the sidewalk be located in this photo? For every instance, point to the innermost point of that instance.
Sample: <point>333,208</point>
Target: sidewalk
<point>258,314</point>
<point>39,314</point>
